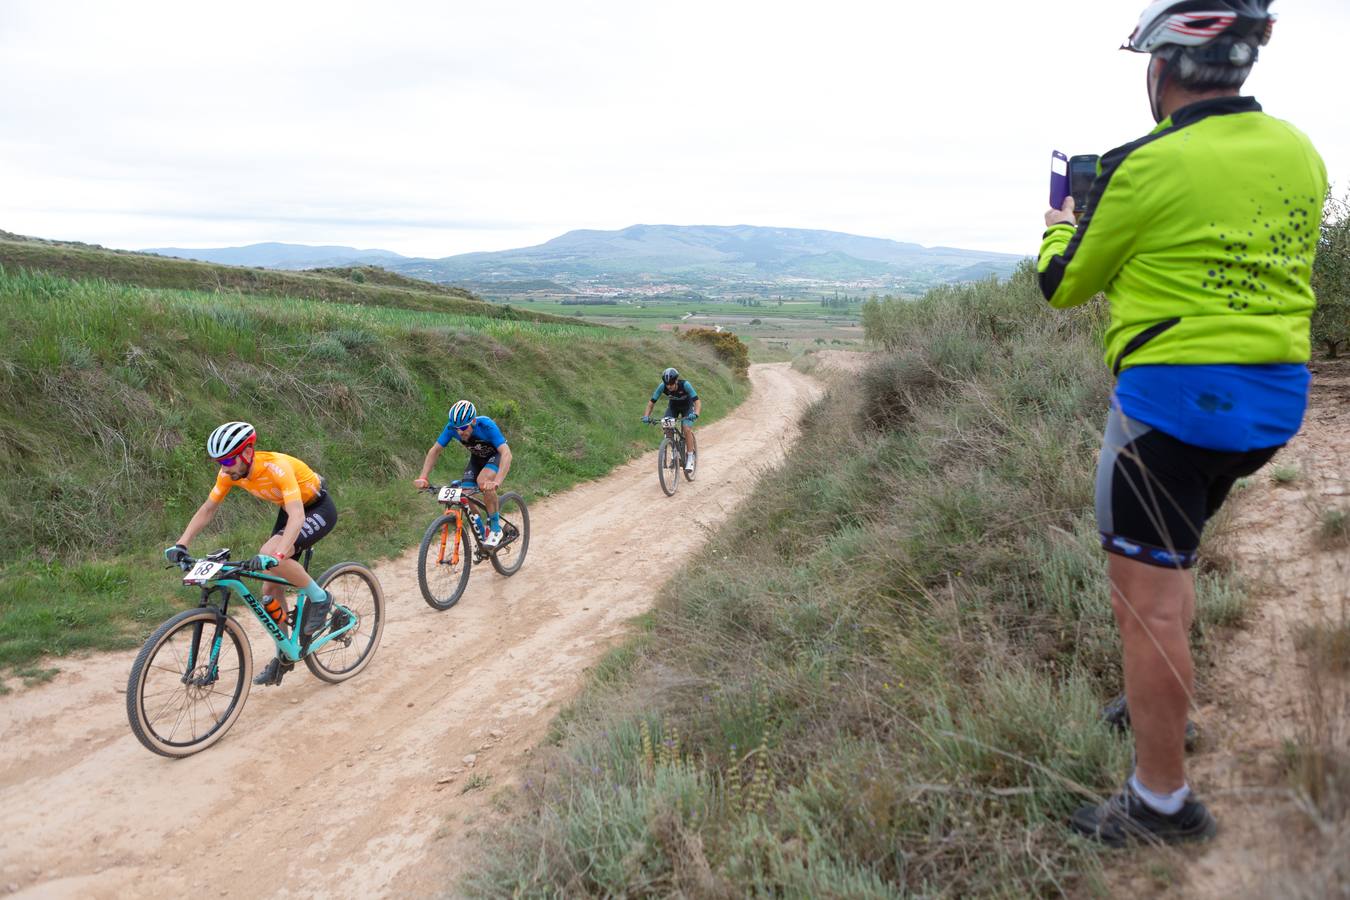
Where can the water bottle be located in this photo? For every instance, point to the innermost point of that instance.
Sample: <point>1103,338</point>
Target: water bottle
<point>276,609</point>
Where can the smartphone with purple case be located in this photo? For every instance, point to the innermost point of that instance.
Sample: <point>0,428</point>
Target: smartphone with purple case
<point>1059,179</point>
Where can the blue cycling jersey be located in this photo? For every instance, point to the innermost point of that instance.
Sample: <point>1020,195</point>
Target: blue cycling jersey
<point>682,392</point>
<point>1229,407</point>
<point>484,439</point>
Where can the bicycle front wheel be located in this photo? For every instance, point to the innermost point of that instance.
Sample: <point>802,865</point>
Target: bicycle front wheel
<point>668,467</point>
<point>355,591</point>
<point>181,700</point>
<point>440,575</point>
<point>508,558</point>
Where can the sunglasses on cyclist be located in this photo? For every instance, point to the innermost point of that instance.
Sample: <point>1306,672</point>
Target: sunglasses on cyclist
<point>230,460</point>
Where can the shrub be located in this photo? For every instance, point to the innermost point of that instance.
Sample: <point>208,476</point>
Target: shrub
<point>1331,278</point>
<point>729,348</point>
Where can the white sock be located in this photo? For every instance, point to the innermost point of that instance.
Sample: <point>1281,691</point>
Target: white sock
<point>1167,804</point>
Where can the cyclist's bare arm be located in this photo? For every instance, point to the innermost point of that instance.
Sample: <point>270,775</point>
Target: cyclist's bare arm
<point>427,465</point>
<point>698,406</point>
<point>651,404</point>
<point>200,519</point>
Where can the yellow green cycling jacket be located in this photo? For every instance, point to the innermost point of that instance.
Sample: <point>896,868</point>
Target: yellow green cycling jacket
<point>1202,235</point>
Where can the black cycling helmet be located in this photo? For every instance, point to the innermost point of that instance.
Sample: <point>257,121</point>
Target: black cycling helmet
<point>670,376</point>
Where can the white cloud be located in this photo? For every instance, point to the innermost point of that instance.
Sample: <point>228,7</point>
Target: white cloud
<point>432,129</point>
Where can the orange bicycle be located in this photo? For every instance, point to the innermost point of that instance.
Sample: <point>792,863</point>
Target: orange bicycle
<point>454,542</point>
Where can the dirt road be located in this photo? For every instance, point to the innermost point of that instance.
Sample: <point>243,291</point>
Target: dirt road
<point>350,790</point>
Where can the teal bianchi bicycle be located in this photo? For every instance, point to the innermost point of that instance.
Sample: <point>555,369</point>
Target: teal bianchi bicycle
<point>190,680</point>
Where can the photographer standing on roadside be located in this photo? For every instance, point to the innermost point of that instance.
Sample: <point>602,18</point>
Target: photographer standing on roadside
<point>1202,235</point>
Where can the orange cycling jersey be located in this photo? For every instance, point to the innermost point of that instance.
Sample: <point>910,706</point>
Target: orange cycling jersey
<point>274,477</point>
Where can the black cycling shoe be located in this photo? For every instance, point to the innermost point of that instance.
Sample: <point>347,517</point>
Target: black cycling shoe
<point>1117,715</point>
<point>1125,818</point>
<point>273,672</point>
<point>316,616</point>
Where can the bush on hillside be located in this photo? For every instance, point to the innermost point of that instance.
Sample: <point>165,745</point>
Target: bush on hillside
<point>1331,278</point>
<point>730,349</point>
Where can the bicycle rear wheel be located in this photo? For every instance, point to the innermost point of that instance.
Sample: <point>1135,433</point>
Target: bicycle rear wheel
<point>441,577</point>
<point>668,467</point>
<point>508,558</point>
<point>354,590</point>
<point>178,702</point>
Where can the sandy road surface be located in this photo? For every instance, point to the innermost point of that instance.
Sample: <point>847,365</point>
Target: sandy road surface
<point>334,790</point>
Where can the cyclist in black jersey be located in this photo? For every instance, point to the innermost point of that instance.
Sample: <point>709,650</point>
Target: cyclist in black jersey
<point>682,403</point>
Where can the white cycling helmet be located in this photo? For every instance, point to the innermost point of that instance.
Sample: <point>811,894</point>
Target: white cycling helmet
<point>1203,44</point>
<point>462,413</point>
<point>229,439</point>
<point>1226,24</point>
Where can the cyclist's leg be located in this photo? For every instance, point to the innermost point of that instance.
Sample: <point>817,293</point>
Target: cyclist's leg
<point>320,518</point>
<point>489,496</point>
<point>1154,494</point>
<point>679,411</point>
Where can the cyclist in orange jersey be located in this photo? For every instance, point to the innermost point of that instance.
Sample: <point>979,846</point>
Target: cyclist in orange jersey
<point>307,514</point>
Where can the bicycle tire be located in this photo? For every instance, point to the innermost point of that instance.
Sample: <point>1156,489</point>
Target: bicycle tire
<point>143,721</point>
<point>443,603</point>
<point>517,548</point>
<point>667,460</point>
<point>369,611</point>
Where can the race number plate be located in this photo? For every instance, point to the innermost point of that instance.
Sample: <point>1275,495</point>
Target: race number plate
<point>449,494</point>
<point>202,572</point>
<point>668,422</point>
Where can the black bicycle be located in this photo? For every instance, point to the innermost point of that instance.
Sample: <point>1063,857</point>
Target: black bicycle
<point>672,455</point>
<point>456,540</point>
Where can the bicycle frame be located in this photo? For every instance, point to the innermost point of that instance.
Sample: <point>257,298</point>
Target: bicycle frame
<point>289,647</point>
<point>465,505</point>
<point>675,433</point>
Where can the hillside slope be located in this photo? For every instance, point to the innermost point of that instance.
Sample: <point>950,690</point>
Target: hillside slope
<point>147,270</point>
<point>883,677</point>
<point>108,391</point>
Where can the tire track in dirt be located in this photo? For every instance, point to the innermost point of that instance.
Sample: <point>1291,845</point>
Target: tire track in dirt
<point>350,790</point>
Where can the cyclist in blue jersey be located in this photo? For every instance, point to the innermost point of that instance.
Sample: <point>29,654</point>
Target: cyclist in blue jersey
<point>1202,235</point>
<point>682,403</point>
<point>489,459</point>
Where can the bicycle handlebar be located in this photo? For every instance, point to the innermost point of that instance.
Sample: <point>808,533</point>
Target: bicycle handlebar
<point>469,488</point>
<point>240,568</point>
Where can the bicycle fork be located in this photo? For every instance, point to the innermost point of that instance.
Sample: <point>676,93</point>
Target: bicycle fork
<point>445,535</point>
<point>212,669</point>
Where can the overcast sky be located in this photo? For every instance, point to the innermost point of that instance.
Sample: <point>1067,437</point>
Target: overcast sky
<point>432,128</point>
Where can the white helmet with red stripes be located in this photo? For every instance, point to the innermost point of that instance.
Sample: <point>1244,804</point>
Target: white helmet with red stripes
<point>1200,23</point>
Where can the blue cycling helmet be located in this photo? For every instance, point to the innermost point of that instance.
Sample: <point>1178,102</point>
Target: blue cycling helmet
<point>462,413</point>
<point>670,376</point>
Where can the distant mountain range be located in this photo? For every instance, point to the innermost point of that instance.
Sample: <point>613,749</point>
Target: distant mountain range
<point>714,259</point>
<point>283,256</point>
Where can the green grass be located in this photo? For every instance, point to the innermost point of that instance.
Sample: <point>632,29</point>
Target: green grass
<point>334,285</point>
<point>883,677</point>
<point>107,393</point>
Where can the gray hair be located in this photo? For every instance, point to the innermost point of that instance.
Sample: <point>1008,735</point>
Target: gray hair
<point>1194,75</point>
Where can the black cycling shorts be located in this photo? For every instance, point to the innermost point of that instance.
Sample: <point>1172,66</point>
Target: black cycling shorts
<point>477,464</point>
<point>320,517</point>
<point>1155,493</point>
<point>680,408</point>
